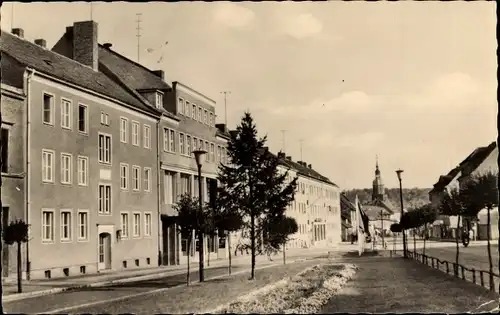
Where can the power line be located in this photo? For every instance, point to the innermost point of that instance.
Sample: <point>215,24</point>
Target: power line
<point>225,105</point>
<point>138,35</point>
<point>283,131</point>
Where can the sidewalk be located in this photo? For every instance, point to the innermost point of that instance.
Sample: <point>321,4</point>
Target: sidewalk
<point>52,286</point>
<point>401,286</point>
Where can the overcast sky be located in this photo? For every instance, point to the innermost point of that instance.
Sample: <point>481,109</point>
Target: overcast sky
<point>412,82</point>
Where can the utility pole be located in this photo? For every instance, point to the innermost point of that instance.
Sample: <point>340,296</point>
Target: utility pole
<point>12,16</point>
<point>138,35</point>
<point>225,105</point>
<point>301,141</point>
<point>91,10</point>
<point>283,131</point>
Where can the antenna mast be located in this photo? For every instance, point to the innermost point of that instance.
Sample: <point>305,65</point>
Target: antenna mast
<point>91,9</point>
<point>225,105</point>
<point>301,141</point>
<point>283,131</point>
<point>138,35</point>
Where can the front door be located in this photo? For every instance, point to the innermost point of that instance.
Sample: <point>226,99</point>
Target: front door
<point>104,251</point>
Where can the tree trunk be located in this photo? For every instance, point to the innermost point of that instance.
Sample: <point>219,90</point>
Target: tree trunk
<point>188,260</point>
<point>1,218</point>
<point>425,236</point>
<point>209,243</point>
<point>284,253</point>
<point>458,248</point>
<point>252,245</point>
<point>19,269</point>
<point>229,251</point>
<point>490,259</point>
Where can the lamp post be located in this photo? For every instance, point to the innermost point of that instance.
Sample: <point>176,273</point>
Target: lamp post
<point>402,210</point>
<point>198,154</point>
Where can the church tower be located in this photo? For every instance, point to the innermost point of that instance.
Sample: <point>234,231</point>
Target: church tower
<point>378,186</point>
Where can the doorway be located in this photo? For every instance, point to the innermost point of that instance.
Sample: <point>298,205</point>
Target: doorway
<point>104,251</point>
<point>5,247</point>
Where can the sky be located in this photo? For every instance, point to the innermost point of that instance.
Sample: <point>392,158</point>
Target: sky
<point>413,83</point>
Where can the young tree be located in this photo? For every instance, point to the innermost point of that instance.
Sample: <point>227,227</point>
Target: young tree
<point>190,220</point>
<point>453,204</point>
<point>481,192</point>
<point>252,180</point>
<point>17,233</point>
<point>428,215</point>
<point>277,233</point>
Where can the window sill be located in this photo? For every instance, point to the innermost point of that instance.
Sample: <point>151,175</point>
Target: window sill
<point>66,241</point>
<point>67,184</point>
<point>104,214</point>
<point>105,163</point>
<point>48,242</point>
<point>47,182</point>
<point>83,240</point>
<point>83,185</point>
<point>66,128</point>
<point>124,189</point>
<point>83,133</point>
<point>48,124</point>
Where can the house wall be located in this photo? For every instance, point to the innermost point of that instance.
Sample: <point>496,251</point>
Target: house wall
<point>13,104</point>
<point>76,253</point>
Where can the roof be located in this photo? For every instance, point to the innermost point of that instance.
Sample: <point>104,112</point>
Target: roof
<point>472,161</point>
<point>346,205</point>
<point>48,62</point>
<point>305,171</point>
<point>382,204</point>
<point>373,212</point>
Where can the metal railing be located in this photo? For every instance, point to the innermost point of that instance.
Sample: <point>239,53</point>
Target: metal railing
<point>483,278</point>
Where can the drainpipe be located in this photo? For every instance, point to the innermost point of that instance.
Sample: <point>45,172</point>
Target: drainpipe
<point>27,144</point>
<point>158,188</point>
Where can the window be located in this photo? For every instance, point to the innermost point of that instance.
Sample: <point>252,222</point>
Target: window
<point>188,145</point>
<point>200,112</point>
<point>123,129</point>
<point>212,153</point>
<point>66,114</point>
<point>83,118</point>
<point>104,119</point>
<point>168,188</point>
<point>147,179</point>
<point>136,177</point>
<point>66,168</point>
<point>195,143</point>
<point>104,148</point>
<point>83,170</point>
<point>172,141</point>
<point>66,225</point>
<point>205,117</point>
<point>147,136</point>
<point>165,140</point>
<point>5,150</point>
<point>137,224</point>
<point>83,225</point>
<point>135,133</point>
<point>211,119</point>
<point>147,224</point>
<point>124,224</point>
<point>193,112</point>
<point>219,153</point>
<point>181,143</point>
<point>187,109</point>
<point>180,106</point>
<point>207,158</point>
<point>159,100</point>
<point>47,226</point>
<point>104,198</point>
<point>124,176</point>
<point>48,109</point>
<point>48,166</point>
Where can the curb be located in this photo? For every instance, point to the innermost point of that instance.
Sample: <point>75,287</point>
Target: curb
<point>29,295</point>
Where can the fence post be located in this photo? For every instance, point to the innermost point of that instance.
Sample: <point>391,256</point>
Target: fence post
<point>432,262</point>
<point>463,272</point>
<point>482,278</point>
<point>455,269</point>
<point>492,282</point>
<point>473,275</point>
<point>447,268</point>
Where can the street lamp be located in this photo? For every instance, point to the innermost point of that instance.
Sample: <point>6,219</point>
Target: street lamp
<point>402,210</point>
<point>198,155</point>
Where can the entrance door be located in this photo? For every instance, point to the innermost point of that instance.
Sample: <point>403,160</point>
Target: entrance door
<point>5,247</point>
<point>104,251</point>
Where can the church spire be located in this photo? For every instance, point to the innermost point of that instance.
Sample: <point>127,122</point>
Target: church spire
<point>377,171</point>
<point>378,186</point>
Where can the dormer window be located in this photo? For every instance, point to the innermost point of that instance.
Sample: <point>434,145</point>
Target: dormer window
<point>159,100</point>
<point>180,106</point>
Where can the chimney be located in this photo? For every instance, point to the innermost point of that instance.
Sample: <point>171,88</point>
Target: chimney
<point>281,155</point>
<point>107,45</point>
<point>265,149</point>
<point>221,127</point>
<point>85,43</point>
<point>159,73</point>
<point>41,42</point>
<point>310,166</point>
<point>18,32</point>
<point>233,133</point>
<point>289,158</point>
